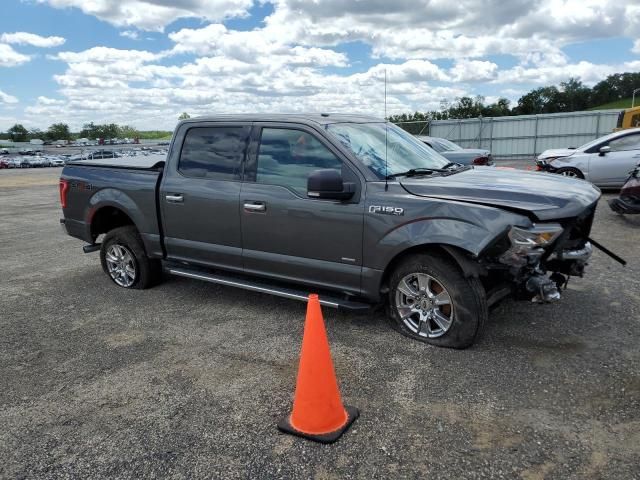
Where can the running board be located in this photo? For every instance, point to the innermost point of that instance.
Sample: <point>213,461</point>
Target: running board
<point>286,292</point>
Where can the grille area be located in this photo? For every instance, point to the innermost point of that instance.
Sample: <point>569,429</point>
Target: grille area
<point>577,229</point>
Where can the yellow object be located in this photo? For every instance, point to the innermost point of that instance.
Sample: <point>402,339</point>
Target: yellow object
<point>629,118</point>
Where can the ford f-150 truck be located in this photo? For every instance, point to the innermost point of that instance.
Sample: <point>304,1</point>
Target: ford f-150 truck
<point>351,207</point>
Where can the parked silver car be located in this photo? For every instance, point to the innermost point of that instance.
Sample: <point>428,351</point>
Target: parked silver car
<point>456,154</point>
<point>605,162</point>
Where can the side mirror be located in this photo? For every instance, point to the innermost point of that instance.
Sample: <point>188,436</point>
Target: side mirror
<point>327,184</point>
<point>604,150</point>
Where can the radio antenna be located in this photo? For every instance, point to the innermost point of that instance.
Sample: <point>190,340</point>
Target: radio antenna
<point>386,132</point>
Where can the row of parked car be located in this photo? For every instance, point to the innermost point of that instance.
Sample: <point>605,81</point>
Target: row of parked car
<point>31,162</point>
<point>37,161</point>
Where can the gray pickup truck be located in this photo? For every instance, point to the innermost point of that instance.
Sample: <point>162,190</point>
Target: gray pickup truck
<point>351,207</point>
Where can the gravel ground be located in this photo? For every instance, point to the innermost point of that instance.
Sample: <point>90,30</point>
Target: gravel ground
<point>189,379</point>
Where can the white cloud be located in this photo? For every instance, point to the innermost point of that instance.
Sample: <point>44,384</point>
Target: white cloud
<point>6,98</point>
<point>24,38</point>
<point>10,58</point>
<point>132,34</point>
<point>49,101</point>
<point>155,14</point>
<point>107,55</point>
<point>294,60</point>
<point>463,29</point>
<point>131,86</point>
<point>636,47</point>
<point>589,73</point>
<point>473,71</point>
<point>256,46</point>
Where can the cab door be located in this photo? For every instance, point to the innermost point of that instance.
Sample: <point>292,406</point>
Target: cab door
<point>287,235</point>
<point>199,195</point>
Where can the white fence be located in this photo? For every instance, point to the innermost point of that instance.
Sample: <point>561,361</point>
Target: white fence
<point>526,135</point>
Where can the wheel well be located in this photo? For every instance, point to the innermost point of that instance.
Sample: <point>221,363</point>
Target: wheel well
<point>460,257</point>
<point>108,218</point>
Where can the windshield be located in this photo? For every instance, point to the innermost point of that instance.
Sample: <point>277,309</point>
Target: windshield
<point>597,140</point>
<point>373,142</point>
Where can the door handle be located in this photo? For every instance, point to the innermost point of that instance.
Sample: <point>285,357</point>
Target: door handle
<point>175,198</point>
<point>255,207</point>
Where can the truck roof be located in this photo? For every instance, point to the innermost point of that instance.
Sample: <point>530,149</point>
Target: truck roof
<point>305,118</point>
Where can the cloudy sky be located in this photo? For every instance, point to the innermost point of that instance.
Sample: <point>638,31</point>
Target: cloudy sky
<point>143,62</point>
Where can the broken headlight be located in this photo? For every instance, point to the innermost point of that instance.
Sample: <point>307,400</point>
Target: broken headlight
<point>527,243</point>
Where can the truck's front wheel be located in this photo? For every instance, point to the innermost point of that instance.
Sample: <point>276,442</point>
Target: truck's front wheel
<point>123,258</point>
<point>430,300</point>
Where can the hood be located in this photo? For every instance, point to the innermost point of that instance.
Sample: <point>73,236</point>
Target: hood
<point>558,152</point>
<point>546,196</point>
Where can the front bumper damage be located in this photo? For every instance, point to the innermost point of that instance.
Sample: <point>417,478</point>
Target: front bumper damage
<point>565,263</point>
<point>540,260</point>
<point>545,166</point>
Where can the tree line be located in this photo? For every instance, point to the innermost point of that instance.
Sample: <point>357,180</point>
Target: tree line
<point>569,96</point>
<point>61,131</point>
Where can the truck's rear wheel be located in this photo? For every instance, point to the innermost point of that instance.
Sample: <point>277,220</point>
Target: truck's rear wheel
<point>125,262</point>
<point>430,300</point>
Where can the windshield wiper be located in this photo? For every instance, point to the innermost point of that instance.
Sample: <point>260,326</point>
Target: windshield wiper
<point>416,171</point>
<point>451,164</point>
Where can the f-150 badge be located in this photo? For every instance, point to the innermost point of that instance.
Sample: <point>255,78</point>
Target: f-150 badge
<point>386,210</point>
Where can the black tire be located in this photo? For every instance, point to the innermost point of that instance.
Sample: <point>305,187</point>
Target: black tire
<point>570,172</point>
<point>148,272</point>
<point>468,310</point>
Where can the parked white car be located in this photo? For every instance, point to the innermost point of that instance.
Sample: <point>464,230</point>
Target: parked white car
<point>606,161</point>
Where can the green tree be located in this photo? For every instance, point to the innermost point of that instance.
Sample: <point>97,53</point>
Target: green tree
<point>125,131</point>
<point>89,130</point>
<point>58,131</point>
<point>573,96</point>
<point>540,100</point>
<point>466,107</point>
<point>417,123</point>
<point>615,87</point>
<point>498,109</point>
<point>184,116</point>
<point>18,133</point>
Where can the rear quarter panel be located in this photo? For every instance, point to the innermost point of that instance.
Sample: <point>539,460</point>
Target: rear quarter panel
<point>93,188</point>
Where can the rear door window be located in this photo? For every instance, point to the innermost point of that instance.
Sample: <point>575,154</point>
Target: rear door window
<point>214,153</point>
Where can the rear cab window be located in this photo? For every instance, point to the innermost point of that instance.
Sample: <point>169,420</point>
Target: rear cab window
<point>214,153</point>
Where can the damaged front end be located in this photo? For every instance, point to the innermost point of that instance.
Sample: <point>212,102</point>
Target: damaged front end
<point>539,260</point>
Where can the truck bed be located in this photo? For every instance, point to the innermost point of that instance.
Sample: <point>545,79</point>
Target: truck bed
<point>146,162</point>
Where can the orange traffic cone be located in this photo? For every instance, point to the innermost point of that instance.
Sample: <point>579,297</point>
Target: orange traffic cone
<point>318,413</point>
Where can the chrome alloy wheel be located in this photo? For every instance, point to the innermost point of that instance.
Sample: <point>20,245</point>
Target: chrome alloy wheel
<point>424,305</point>
<point>569,173</point>
<point>121,265</point>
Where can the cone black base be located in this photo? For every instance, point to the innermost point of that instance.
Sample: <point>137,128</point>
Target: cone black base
<point>285,426</point>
